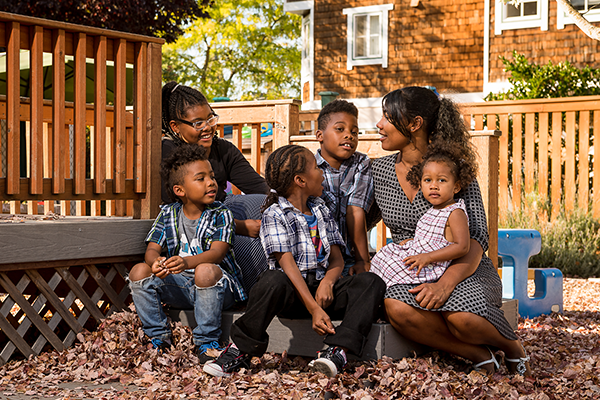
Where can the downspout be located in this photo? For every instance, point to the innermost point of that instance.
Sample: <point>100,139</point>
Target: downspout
<point>486,45</point>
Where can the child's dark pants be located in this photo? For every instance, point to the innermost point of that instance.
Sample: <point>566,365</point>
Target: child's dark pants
<point>356,300</point>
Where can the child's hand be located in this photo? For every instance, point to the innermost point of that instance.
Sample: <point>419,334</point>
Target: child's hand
<point>321,323</point>
<point>359,267</point>
<point>418,261</point>
<point>158,268</point>
<point>324,294</point>
<point>175,264</point>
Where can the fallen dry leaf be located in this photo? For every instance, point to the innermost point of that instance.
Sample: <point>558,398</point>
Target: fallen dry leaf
<point>564,350</point>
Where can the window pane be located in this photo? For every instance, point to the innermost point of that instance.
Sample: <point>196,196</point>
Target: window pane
<point>512,11</point>
<point>374,35</point>
<point>360,36</point>
<point>374,46</point>
<point>530,8</point>
<point>374,24</point>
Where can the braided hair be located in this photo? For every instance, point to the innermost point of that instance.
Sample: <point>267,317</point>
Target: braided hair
<point>441,118</point>
<point>176,101</point>
<point>464,169</point>
<point>282,166</point>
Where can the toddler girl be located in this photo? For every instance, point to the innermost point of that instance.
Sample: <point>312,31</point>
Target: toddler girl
<point>442,233</point>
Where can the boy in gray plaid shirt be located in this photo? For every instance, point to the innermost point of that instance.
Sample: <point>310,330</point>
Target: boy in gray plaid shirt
<point>348,181</point>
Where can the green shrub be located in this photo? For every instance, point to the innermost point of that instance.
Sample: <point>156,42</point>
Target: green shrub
<point>570,243</point>
<point>532,81</point>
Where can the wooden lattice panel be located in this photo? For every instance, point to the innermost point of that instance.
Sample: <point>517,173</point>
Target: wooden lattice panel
<point>45,308</point>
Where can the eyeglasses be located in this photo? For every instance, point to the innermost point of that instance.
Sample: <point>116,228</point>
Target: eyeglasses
<point>201,125</point>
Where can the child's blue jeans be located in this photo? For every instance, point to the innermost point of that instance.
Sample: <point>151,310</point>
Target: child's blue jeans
<point>180,291</point>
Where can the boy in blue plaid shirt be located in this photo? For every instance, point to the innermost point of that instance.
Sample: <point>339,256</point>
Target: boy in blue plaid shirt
<point>199,271</point>
<point>348,180</point>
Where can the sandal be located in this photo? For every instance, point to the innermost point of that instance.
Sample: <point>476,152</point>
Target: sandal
<point>493,360</point>
<point>521,368</point>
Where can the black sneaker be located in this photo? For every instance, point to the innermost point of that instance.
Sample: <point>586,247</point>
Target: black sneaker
<point>160,345</point>
<point>230,360</point>
<point>330,361</point>
<point>207,351</point>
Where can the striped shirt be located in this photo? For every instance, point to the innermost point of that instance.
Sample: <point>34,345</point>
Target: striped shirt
<point>284,229</point>
<point>351,185</point>
<point>215,224</point>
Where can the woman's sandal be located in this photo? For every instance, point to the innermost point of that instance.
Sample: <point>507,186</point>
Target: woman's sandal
<point>521,367</point>
<point>493,360</point>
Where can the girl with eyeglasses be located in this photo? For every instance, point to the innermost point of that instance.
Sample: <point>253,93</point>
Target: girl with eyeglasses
<point>187,117</point>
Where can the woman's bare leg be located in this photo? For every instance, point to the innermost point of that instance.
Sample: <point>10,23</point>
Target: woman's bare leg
<point>430,328</point>
<point>473,329</point>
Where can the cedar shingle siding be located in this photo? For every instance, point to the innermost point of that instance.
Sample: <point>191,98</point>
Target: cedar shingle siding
<point>438,43</point>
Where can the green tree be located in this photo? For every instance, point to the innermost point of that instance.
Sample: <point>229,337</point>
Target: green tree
<point>161,18</point>
<point>245,49</point>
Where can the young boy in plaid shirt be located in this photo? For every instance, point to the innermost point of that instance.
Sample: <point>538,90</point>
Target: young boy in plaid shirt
<point>199,271</point>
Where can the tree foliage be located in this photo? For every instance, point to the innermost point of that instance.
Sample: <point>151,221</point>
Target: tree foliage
<point>161,18</point>
<point>532,81</point>
<point>245,49</point>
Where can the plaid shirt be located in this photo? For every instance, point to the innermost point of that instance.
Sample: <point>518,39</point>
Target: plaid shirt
<point>351,185</point>
<point>284,229</point>
<point>215,224</point>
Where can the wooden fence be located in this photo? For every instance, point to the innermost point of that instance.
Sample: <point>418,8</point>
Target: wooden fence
<point>547,148</point>
<point>80,122</point>
<point>86,133</point>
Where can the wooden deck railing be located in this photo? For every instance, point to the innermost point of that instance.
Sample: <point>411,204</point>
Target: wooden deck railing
<point>93,149</point>
<point>547,147</point>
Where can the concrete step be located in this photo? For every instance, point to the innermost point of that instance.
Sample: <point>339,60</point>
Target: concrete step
<point>297,337</point>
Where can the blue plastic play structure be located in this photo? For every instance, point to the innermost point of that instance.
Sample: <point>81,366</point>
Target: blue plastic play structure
<point>516,246</point>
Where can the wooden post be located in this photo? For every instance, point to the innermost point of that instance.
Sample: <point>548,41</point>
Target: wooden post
<point>486,144</point>
<point>79,114</point>
<point>37,109</point>
<point>13,130</point>
<point>287,123</point>
<point>99,171</point>
<point>58,111</point>
<point>151,200</point>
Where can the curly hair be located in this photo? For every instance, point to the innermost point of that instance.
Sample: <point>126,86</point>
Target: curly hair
<point>333,107</point>
<point>176,101</point>
<point>173,168</point>
<point>441,118</point>
<point>282,166</point>
<point>464,169</point>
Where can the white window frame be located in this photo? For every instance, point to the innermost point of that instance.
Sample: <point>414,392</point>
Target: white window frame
<point>563,19</point>
<point>537,21</point>
<point>382,11</point>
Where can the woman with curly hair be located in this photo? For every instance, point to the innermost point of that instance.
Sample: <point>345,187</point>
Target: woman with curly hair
<point>460,312</point>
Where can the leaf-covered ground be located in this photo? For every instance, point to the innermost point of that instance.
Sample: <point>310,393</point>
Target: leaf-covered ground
<point>564,350</point>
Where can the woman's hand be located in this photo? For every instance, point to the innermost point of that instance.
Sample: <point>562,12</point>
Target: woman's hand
<point>434,295</point>
<point>247,227</point>
<point>431,295</point>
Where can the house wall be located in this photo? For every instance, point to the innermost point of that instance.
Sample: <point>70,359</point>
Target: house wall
<point>556,45</point>
<point>439,43</point>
